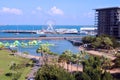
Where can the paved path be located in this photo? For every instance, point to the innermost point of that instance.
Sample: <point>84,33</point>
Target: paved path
<point>97,53</point>
<point>33,71</point>
<point>92,52</point>
<point>36,66</point>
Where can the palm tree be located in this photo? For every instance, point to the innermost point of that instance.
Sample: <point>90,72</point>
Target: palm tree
<point>80,57</point>
<point>68,55</point>
<point>107,42</point>
<point>43,49</point>
<point>77,59</point>
<point>62,59</point>
<point>65,57</point>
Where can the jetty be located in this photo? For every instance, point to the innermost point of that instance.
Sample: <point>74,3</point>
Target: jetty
<point>76,42</point>
<point>41,38</point>
<point>20,31</point>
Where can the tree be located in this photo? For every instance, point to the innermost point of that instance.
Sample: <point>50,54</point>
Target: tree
<point>53,72</point>
<point>97,42</point>
<point>68,55</point>
<point>92,68</point>
<point>1,45</point>
<point>84,76</point>
<point>65,57</point>
<point>16,73</point>
<point>107,76</point>
<point>102,41</point>
<point>107,42</point>
<point>88,39</point>
<point>81,76</point>
<point>106,63</point>
<point>43,49</point>
<point>79,57</point>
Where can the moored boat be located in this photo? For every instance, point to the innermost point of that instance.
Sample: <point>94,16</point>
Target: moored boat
<point>88,30</point>
<point>66,31</point>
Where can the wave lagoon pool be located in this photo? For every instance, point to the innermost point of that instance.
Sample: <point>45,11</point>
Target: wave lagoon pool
<point>58,46</point>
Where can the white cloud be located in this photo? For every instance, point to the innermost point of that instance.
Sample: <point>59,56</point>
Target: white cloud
<point>55,11</point>
<point>89,14</point>
<point>11,11</point>
<point>39,8</point>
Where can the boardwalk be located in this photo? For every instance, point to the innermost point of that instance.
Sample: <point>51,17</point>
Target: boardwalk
<point>41,38</point>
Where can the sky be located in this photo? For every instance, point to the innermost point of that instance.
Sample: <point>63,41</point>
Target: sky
<point>58,12</point>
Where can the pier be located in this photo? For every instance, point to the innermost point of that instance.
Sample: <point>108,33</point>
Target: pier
<point>41,38</point>
<point>76,42</point>
<point>20,31</point>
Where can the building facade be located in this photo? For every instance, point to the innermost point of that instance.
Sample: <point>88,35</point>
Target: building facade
<point>108,21</point>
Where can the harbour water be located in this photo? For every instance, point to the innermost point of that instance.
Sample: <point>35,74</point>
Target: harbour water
<point>59,45</point>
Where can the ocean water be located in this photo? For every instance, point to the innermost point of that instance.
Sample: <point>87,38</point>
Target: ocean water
<point>36,27</point>
<point>60,45</point>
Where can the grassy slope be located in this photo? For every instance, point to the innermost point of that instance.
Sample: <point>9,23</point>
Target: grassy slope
<point>5,60</point>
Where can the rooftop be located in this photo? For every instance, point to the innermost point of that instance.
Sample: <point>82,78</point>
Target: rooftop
<point>108,8</point>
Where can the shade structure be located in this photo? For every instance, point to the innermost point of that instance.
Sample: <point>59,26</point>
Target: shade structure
<point>16,43</point>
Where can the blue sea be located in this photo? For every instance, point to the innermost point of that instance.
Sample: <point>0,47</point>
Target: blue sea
<point>59,45</point>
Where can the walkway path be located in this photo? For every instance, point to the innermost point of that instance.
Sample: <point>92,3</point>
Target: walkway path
<point>116,70</point>
<point>97,53</point>
<point>36,66</point>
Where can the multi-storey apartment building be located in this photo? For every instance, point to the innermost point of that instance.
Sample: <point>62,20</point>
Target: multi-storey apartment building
<point>108,21</point>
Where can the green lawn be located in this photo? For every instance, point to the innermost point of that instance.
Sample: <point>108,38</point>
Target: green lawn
<point>6,60</point>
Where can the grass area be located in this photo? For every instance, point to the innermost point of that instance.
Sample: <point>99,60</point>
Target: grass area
<point>6,60</point>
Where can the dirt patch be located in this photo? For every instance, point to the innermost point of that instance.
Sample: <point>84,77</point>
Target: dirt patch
<point>1,71</point>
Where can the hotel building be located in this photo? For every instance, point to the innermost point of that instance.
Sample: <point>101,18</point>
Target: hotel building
<point>108,21</point>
